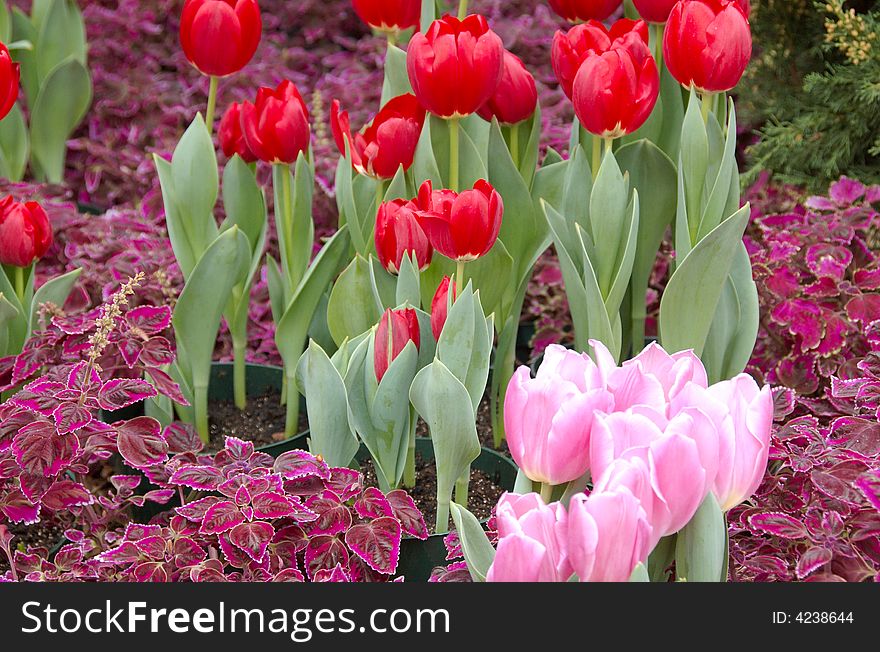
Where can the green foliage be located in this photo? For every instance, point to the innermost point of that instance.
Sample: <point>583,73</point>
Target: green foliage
<point>813,85</point>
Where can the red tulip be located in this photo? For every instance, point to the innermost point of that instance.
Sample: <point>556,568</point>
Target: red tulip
<point>396,329</point>
<point>380,149</point>
<point>571,48</point>
<point>462,227</point>
<point>389,15</point>
<point>440,305</point>
<point>276,126</point>
<point>516,97</point>
<point>25,232</point>
<point>455,66</point>
<point>10,74</point>
<point>707,44</point>
<point>398,232</point>
<point>578,10</point>
<point>219,37</point>
<point>232,139</point>
<point>615,92</point>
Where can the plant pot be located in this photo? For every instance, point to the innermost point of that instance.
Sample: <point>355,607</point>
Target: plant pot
<point>418,558</point>
<point>260,378</point>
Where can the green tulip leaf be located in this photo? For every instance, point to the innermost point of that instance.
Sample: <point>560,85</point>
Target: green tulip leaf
<point>702,544</point>
<point>14,145</point>
<point>475,546</point>
<point>353,306</point>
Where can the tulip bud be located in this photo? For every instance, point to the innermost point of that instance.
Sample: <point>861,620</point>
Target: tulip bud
<point>276,126</point>
<point>396,329</point>
<point>615,92</point>
<point>570,49</point>
<point>231,138</point>
<point>10,74</point>
<point>25,232</point>
<point>516,97</point>
<point>532,541</point>
<point>462,227</point>
<point>390,16</point>
<point>455,66</point>
<point>707,44</point>
<point>581,10</point>
<point>219,37</point>
<point>388,143</point>
<point>744,439</point>
<point>440,305</point>
<point>398,233</point>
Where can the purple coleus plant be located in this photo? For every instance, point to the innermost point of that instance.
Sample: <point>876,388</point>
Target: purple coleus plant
<point>243,516</point>
<point>53,429</point>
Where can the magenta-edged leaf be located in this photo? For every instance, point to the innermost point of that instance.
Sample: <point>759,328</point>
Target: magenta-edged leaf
<point>27,364</point>
<point>138,531</point>
<point>404,510</point>
<point>271,505</point>
<point>6,537</point>
<point>221,517</point>
<point>456,572</point>
<point>778,524</point>
<point>66,494</point>
<point>160,496</point>
<point>767,564</point>
<point>293,535</point>
<point>242,496</point>
<point>34,486</point>
<point>854,433</point>
<point>187,552</point>
<point>360,572</point>
<point>182,438</point>
<point>83,377</point>
<point>297,464</point>
<point>812,560</point>
<point>40,449</point>
<point>335,574</point>
<point>453,546</point>
<point>150,571</point>
<point>126,483</point>
<point>372,504</point>
<point>153,547</point>
<point>19,509</point>
<point>310,485</point>
<point>377,542</point>
<point>67,557</point>
<point>238,449</point>
<point>834,487</point>
<point>203,478</point>
<point>334,516</point>
<point>166,386</point>
<point>252,538</point>
<point>125,553</point>
<point>869,485</point>
<point>71,416</point>
<point>149,319</point>
<point>234,555</point>
<point>130,350</point>
<point>140,442</point>
<point>345,483</point>
<point>289,575</point>
<point>122,392</point>
<point>325,552</point>
<point>207,575</point>
<point>156,352</point>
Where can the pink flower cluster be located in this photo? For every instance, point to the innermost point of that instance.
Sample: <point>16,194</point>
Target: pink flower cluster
<point>652,434</point>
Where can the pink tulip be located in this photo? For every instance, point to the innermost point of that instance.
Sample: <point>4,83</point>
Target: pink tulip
<point>548,418</point>
<point>744,438</point>
<point>676,479</point>
<point>608,535</point>
<point>532,541</point>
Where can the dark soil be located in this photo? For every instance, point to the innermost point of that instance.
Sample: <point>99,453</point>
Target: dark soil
<point>483,493</point>
<point>43,535</point>
<point>261,422</point>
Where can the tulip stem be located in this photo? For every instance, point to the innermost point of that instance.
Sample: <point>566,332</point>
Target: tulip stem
<point>212,103</point>
<point>609,144</point>
<point>514,144</point>
<point>461,487</point>
<point>200,408</point>
<point>239,371</point>
<point>546,492</point>
<point>19,283</point>
<point>391,37</point>
<point>707,106</point>
<point>462,9</point>
<point>459,275</point>
<point>658,29</point>
<point>597,156</point>
<point>453,154</point>
<point>291,424</point>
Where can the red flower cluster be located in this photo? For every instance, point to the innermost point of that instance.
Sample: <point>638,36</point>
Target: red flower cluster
<point>610,75</point>
<point>460,67</point>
